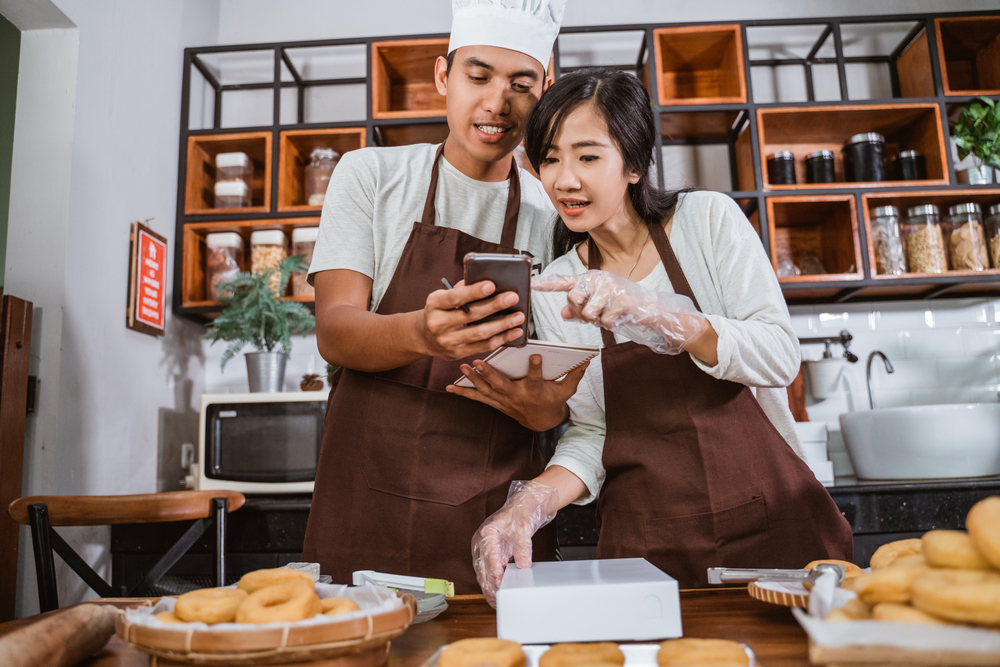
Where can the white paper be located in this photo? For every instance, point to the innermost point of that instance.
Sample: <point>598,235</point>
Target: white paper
<point>373,600</point>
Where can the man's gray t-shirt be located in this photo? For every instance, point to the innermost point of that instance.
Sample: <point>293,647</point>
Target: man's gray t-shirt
<point>376,194</point>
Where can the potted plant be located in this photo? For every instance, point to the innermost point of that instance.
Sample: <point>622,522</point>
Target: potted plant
<point>257,315</point>
<point>977,133</point>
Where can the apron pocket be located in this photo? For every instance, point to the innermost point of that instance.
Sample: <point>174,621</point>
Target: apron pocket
<point>688,545</point>
<point>425,445</point>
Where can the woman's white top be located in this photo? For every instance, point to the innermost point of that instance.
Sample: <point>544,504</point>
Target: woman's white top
<point>725,264</point>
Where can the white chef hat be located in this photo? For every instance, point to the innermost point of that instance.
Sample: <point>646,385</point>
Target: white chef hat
<point>528,26</point>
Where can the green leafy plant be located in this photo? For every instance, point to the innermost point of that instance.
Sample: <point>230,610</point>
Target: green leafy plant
<point>257,315</point>
<point>977,132</point>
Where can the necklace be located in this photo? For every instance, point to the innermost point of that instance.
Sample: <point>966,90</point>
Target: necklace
<point>639,256</point>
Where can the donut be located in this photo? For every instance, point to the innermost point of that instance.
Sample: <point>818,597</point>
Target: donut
<point>850,570</point>
<point>482,650</point>
<point>887,553</point>
<point>903,613</point>
<point>966,596</point>
<point>576,655</point>
<point>983,524</point>
<point>952,548</point>
<point>675,652</point>
<point>839,615</point>
<point>209,605</point>
<point>705,663</point>
<point>168,617</point>
<point>857,609</point>
<point>251,582</point>
<point>891,584</point>
<point>334,606</point>
<point>281,603</point>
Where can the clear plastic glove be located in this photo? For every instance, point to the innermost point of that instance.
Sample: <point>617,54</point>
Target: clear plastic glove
<point>508,531</point>
<point>665,323</point>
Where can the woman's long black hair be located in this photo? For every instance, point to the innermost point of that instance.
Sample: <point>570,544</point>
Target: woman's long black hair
<point>624,104</point>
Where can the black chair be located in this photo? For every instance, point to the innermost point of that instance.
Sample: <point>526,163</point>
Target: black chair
<point>44,512</point>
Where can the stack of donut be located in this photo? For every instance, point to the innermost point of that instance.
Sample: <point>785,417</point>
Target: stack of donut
<point>263,596</point>
<point>945,577</point>
<point>672,653</point>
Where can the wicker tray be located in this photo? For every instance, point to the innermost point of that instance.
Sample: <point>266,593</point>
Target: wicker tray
<point>777,597</point>
<point>357,642</point>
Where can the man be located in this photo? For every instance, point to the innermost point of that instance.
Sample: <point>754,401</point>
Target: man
<point>408,471</point>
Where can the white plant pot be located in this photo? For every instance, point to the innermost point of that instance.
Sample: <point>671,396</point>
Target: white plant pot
<point>976,175</point>
<point>825,377</point>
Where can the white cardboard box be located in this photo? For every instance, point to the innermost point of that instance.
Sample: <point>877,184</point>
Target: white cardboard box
<point>623,599</point>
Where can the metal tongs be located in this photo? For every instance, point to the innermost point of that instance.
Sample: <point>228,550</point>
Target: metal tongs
<point>735,575</point>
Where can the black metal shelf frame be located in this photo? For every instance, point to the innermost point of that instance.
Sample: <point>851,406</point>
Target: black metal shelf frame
<point>746,119</point>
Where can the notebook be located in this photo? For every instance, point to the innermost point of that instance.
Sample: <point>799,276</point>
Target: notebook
<point>558,359</point>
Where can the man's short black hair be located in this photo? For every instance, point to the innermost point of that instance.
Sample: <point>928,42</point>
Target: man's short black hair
<point>451,59</point>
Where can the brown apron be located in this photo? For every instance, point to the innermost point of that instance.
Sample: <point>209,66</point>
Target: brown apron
<point>697,475</point>
<point>407,471</point>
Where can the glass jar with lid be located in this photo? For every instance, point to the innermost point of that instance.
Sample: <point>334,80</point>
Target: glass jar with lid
<point>925,246</point>
<point>966,240</point>
<point>819,167</point>
<point>993,234</point>
<point>303,242</point>
<point>890,255</point>
<point>322,162</point>
<point>222,262</point>
<point>781,168</point>
<point>268,249</point>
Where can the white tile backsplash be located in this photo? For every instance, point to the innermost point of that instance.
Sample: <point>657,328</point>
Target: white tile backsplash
<point>943,351</point>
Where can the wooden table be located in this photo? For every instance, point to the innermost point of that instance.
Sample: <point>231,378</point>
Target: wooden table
<point>769,630</point>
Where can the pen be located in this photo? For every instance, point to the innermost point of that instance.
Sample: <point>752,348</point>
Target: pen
<point>464,307</point>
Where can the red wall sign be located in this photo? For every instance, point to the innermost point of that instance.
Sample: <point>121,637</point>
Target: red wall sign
<point>148,281</point>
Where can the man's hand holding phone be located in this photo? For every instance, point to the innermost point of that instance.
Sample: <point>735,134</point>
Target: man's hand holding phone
<point>446,332</point>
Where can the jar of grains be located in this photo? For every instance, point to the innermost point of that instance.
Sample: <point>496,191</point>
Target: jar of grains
<point>303,242</point>
<point>222,263</point>
<point>925,247</point>
<point>268,249</point>
<point>993,234</point>
<point>890,257</point>
<point>322,162</point>
<point>966,240</point>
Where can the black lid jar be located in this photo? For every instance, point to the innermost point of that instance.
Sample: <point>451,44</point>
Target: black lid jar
<point>864,158</point>
<point>819,167</point>
<point>910,166</point>
<point>781,168</point>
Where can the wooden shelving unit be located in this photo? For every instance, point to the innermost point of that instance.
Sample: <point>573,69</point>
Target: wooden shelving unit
<point>701,91</point>
<point>969,54</point>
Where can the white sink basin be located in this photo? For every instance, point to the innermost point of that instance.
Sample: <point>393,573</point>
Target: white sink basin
<point>924,442</point>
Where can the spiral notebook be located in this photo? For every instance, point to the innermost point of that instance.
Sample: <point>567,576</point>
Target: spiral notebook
<point>557,360</point>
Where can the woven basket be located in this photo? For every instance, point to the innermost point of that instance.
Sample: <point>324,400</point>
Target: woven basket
<point>777,597</point>
<point>360,642</point>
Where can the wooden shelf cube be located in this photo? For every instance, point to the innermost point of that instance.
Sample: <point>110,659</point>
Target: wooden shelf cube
<point>802,130</point>
<point>969,53</point>
<point>403,78</point>
<point>714,127</point>
<point>194,280</point>
<point>913,68</point>
<point>199,184</point>
<point>415,133</point>
<point>940,198</point>
<point>825,227</point>
<point>294,148</point>
<point>699,65</point>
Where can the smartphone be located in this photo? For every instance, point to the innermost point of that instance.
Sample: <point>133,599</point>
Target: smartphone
<point>510,273</point>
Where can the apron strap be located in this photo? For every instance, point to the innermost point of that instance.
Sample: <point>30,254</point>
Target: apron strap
<point>670,263</point>
<point>594,264</point>
<point>513,200</point>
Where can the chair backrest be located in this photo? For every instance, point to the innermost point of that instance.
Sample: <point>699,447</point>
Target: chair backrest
<point>44,512</point>
<point>116,510</point>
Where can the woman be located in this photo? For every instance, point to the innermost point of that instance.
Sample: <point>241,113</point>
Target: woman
<point>683,427</point>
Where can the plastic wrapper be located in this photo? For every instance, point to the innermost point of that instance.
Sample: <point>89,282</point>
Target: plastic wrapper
<point>934,642</point>
<point>665,323</point>
<point>787,268</point>
<point>508,532</point>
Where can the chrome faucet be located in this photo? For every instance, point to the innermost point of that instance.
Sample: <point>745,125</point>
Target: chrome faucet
<point>868,372</point>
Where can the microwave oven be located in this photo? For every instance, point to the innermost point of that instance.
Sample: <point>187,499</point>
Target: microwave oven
<point>260,442</point>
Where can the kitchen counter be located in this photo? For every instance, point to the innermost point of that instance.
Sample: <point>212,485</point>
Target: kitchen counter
<point>769,630</point>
